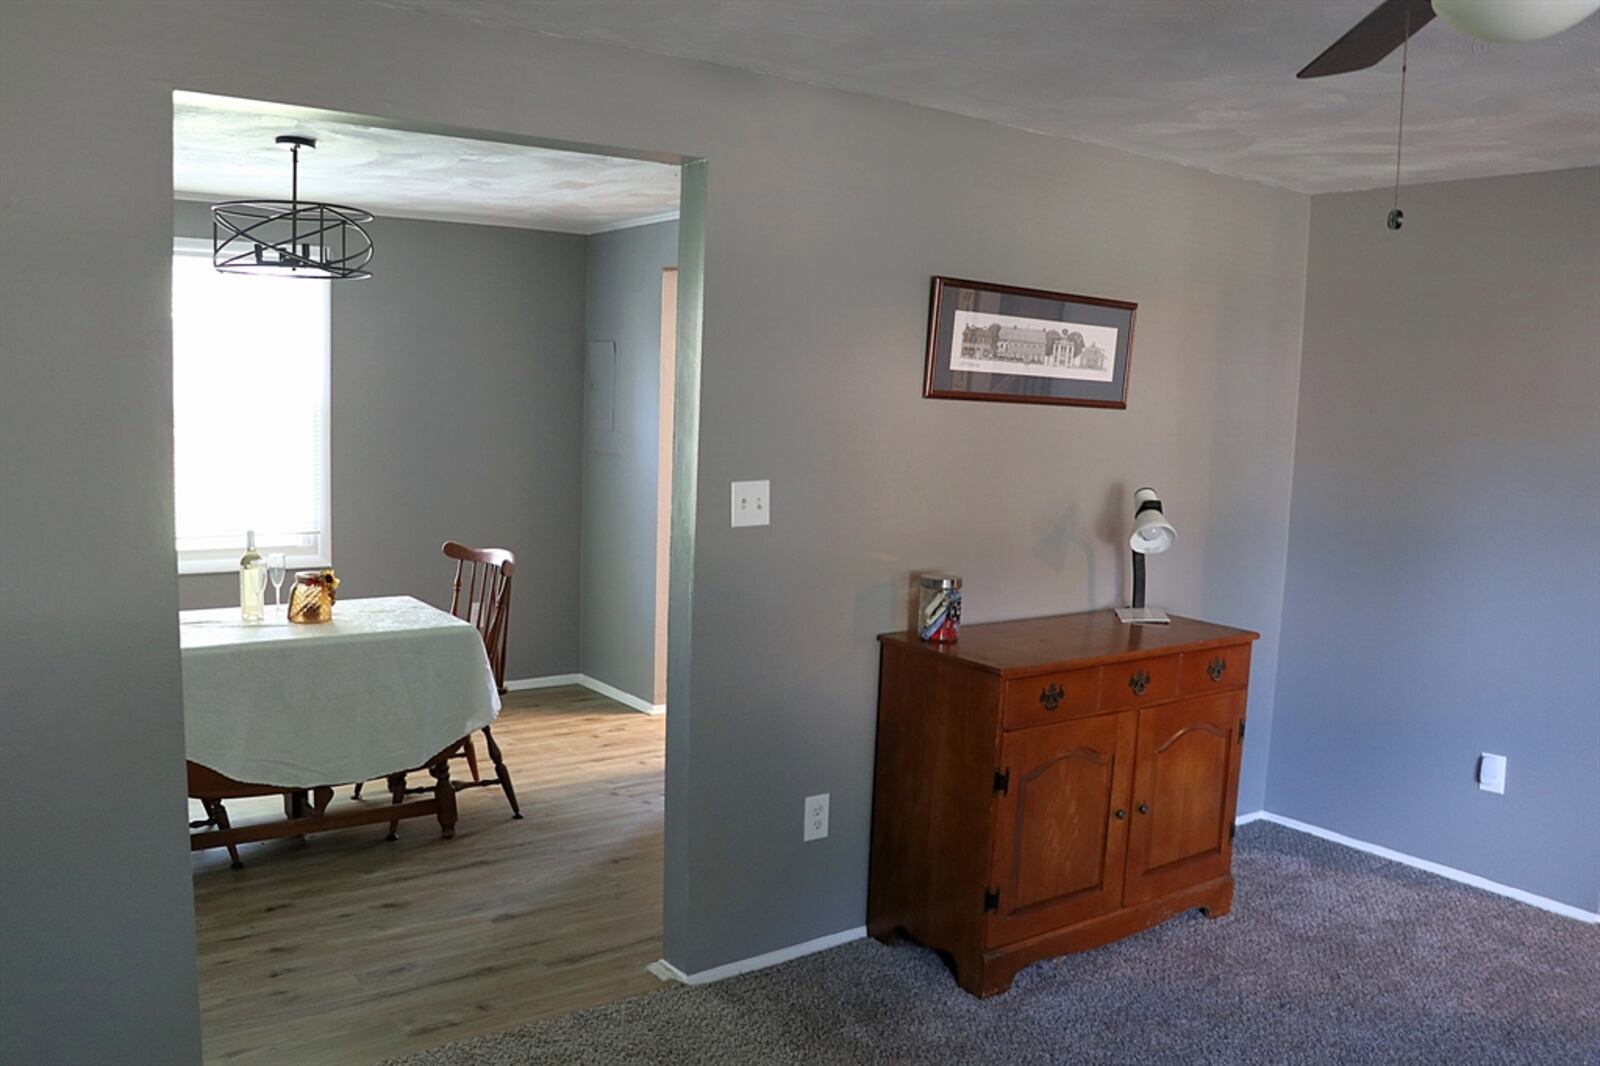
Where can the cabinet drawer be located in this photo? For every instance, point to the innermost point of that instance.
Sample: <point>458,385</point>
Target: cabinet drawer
<point>1214,671</point>
<point>1051,698</point>
<point>1137,683</point>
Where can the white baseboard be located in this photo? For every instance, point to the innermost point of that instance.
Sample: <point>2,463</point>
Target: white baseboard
<point>663,970</point>
<point>553,681</point>
<point>1253,816</point>
<point>668,972</point>
<point>627,699</point>
<point>1544,903</point>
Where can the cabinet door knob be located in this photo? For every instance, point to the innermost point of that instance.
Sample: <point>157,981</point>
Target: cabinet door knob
<point>1121,813</point>
<point>1144,808</point>
<point>1139,682</point>
<point>1216,667</point>
<point>1052,696</point>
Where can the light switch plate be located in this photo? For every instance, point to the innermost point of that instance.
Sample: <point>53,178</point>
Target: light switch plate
<point>752,503</point>
<point>1492,773</point>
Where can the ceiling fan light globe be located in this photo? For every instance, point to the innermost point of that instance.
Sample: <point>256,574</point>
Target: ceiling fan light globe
<point>1514,20</point>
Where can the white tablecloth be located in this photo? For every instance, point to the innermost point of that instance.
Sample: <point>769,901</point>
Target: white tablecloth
<point>386,685</point>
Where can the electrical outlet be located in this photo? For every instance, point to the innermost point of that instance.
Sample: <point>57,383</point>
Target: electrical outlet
<point>816,826</point>
<point>1492,773</point>
<point>752,503</point>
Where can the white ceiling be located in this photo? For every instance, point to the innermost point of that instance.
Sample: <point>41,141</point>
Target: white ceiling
<point>224,149</point>
<point>1208,83</point>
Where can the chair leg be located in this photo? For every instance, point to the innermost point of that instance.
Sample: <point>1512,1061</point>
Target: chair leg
<point>501,772</point>
<point>219,814</point>
<point>397,790</point>
<point>472,758</point>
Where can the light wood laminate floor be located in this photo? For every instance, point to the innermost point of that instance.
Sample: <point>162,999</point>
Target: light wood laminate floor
<point>347,949</point>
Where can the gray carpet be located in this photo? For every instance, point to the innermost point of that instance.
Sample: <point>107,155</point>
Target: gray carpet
<point>1329,956</point>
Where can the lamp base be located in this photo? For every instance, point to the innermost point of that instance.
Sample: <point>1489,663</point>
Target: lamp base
<point>1142,616</point>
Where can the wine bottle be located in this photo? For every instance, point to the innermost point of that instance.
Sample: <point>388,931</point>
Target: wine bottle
<point>252,581</point>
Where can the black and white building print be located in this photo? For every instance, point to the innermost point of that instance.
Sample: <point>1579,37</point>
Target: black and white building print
<point>987,343</point>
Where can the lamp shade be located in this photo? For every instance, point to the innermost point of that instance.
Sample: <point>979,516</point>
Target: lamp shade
<point>1514,20</point>
<point>1152,533</point>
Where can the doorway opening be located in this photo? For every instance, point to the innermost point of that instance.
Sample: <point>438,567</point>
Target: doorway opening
<point>511,377</point>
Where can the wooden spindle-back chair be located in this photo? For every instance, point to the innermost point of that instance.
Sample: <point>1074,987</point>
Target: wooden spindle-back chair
<point>480,594</point>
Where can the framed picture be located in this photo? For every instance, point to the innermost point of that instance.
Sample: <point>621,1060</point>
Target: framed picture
<point>1000,342</point>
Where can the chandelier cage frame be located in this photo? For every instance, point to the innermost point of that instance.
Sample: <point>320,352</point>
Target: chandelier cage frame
<point>291,238</point>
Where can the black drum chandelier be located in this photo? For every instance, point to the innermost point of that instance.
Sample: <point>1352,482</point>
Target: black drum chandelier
<point>291,238</point>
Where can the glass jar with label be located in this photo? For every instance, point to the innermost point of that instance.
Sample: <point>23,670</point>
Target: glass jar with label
<point>939,607</point>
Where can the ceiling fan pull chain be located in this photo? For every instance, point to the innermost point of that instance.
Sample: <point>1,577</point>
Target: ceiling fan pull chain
<point>1397,216</point>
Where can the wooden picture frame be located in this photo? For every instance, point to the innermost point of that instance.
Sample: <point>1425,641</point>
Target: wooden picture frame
<point>1008,344</point>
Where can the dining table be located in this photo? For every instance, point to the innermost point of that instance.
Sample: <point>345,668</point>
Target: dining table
<point>387,687</point>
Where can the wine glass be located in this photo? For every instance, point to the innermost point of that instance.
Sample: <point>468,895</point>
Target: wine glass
<point>277,568</point>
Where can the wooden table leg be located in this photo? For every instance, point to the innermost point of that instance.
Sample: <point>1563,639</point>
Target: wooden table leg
<point>294,807</point>
<point>397,791</point>
<point>446,794</point>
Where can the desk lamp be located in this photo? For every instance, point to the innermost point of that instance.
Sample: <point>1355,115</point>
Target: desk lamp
<point>1152,534</point>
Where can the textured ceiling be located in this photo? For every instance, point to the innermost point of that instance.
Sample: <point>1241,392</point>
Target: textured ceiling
<point>224,149</point>
<point>1208,83</point>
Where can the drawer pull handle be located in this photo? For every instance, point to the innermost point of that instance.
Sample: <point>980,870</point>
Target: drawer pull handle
<point>1121,813</point>
<point>1144,808</point>
<point>1052,696</point>
<point>1216,667</point>
<point>1139,682</point>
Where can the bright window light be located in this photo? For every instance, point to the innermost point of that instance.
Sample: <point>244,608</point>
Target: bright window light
<point>250,414</point>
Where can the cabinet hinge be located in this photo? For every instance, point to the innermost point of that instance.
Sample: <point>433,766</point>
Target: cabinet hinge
<point>1002,781</point>
<point>991,899</point>
<point>1241,729</point>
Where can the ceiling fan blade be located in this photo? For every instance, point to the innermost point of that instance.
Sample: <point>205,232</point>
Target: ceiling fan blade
<point>1374,37</point>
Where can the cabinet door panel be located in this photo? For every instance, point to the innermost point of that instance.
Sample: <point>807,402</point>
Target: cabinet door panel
<point>1060,845</point>
<point>1184,792</point>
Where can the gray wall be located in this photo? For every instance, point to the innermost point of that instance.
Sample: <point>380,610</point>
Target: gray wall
<point>617,589</point>
<point>457,383</point>
<point>96,908</point>
<point>1445,563</point>
<point>826,214</point>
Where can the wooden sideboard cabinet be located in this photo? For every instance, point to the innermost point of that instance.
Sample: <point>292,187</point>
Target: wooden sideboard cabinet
<point>1053,784</point>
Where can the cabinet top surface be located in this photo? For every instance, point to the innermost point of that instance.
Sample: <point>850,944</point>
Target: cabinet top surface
<point>1063,641</point>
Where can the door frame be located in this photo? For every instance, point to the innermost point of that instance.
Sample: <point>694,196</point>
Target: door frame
<point>685,448</point>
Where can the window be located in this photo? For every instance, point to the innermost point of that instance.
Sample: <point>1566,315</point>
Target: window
<point>250,414</point>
